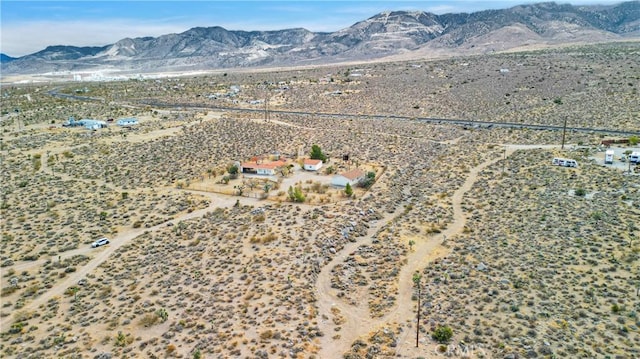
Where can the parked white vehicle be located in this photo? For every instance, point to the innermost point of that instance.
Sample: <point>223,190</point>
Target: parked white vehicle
<point>100,242</point>
<point>564,162</point>
<point>608,157</point>
<point>634,157</point>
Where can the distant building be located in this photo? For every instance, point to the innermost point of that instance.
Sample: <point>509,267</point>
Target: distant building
<point>352,177</point>
<point>326,79</point>
<point>93,124</point>
<point>86,123</point>
<point>71,122</point>
<point>130,121</point>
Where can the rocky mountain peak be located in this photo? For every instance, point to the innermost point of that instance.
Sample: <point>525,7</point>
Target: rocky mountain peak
<point>385,34</point>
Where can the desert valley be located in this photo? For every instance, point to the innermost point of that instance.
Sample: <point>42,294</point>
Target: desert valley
<point>225,239</point>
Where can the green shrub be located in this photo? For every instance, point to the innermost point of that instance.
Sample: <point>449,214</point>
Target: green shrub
<point>368,181</point>
<point>233,171</point>
<point>442,334</point>
<point>16,328</point>
<point>348,191</point>
<point>162,314</point>
<point>296,195</point>
<point>316,154</point>
<point>121,340</point>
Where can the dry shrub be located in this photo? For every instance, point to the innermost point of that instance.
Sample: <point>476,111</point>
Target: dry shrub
<point>433,229</point>
<point>8,290</point>
<point>266,335</point>
<point>149,319</point>
<point>269,238</point>
<point>105,292</point>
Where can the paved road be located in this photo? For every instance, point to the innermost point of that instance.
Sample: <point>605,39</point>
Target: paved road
<point>55,93</point>
<point>450,121</point>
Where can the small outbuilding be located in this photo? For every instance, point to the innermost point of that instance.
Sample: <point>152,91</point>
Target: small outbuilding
<point>130,121</point>
<point>91,124</point>
<point>352,177</point>
<point>87,123</point>
<point>312,165</point>
<point>71,122</point>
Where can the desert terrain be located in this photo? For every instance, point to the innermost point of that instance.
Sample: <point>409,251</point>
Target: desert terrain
<point>500,253</point>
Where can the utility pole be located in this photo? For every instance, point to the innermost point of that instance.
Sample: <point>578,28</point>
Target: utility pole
<point>504,160</point>
<point>564,131</point>
<point>416,281</point>
<point>418,322</point>
<point>266,101</point>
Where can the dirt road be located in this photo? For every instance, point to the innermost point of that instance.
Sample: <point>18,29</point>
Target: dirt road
<point>357,320</point>
<point>101,254</point>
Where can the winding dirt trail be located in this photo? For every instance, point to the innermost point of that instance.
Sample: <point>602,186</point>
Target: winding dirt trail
<point>357,317</point>
<point>357,320</point>
<point>426,252</point>
<point>103,253</point>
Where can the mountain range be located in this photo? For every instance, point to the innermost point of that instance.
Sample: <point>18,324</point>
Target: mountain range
<point>387,34</point>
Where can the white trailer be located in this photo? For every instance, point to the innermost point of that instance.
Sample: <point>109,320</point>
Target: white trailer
<point>634,157</point>
<point>608,157</point>
<point>564,162</point>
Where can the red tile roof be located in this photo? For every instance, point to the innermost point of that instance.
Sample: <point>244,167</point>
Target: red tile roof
<point>353,174</point>
<point>270,165</point>
<point>308,161</point>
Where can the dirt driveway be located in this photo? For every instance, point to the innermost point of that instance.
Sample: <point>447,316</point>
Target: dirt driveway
<point>300,175</point>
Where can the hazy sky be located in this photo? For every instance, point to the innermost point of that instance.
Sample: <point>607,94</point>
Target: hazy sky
<point>30,26</point>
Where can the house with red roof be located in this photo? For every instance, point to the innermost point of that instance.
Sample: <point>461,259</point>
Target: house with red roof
<point>261,168</point>
<point>311,165</point>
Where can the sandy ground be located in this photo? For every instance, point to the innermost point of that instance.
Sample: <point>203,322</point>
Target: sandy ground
<point>520,258</point>
<point>355,324</point>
